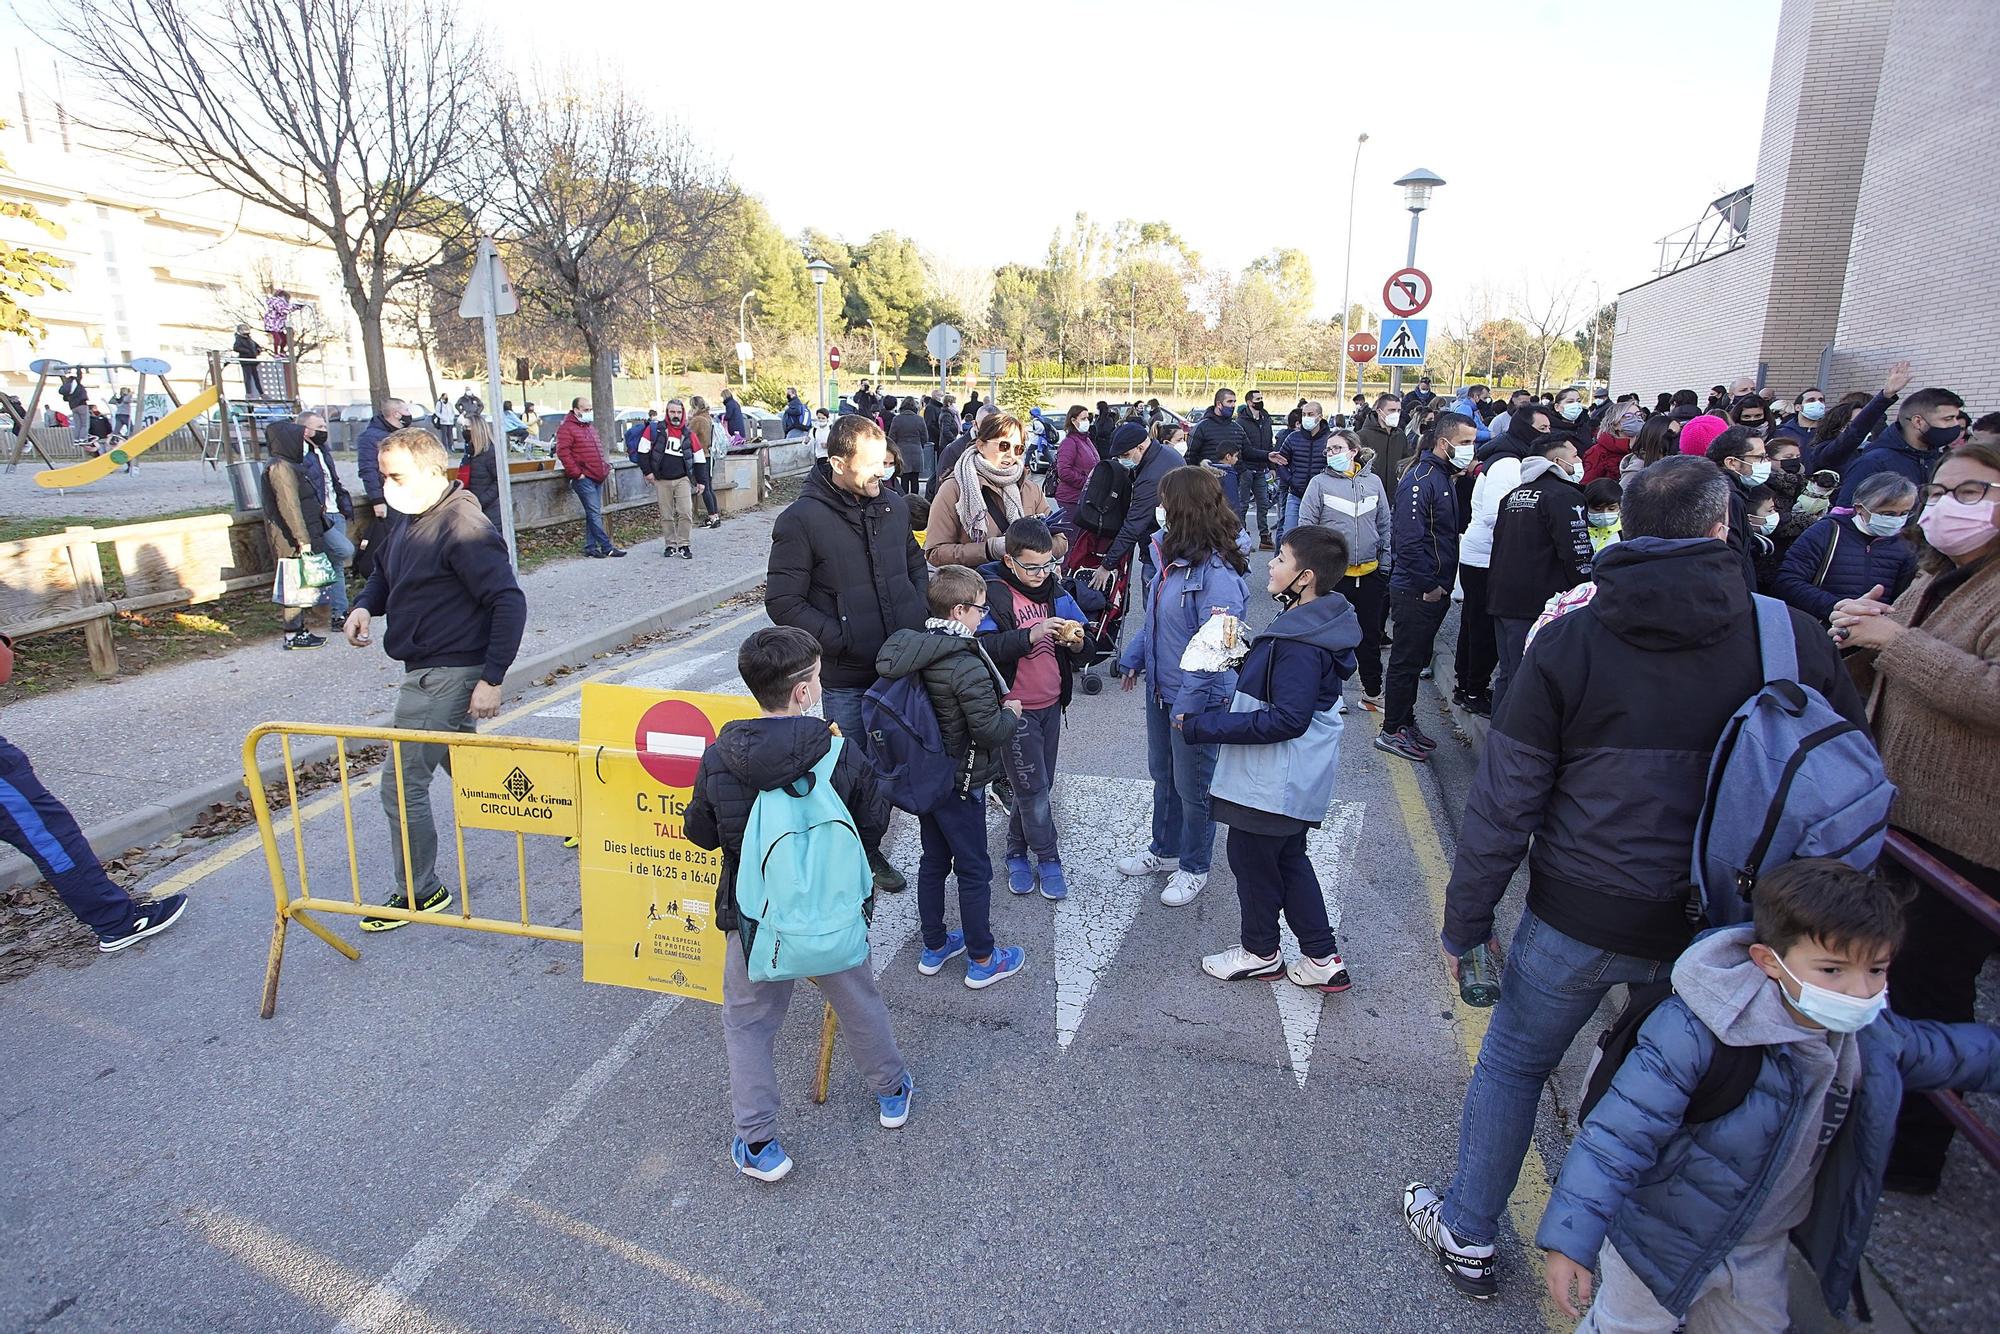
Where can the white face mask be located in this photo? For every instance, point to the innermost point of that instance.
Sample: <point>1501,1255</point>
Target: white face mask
<point>1462,455</point>
<point>1392,418</point>
<point>1160,516</point>
<point>1836,1010</point>
<point>405,498</point>
<point>1309,424</point>
<point>1571,411</point>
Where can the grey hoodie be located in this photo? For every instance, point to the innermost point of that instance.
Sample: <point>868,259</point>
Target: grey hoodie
<point>1744,1008</point>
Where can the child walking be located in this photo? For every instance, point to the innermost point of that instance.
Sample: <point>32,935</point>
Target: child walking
<point>965,691</point>
<point>1691,1220</point>
<point>1278,749</point>
<point>1033,631</point>
<point>769,754</point>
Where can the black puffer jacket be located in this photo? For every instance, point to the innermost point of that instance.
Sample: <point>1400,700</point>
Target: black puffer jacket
<point>756,755</point>
<point>907,437</point>
<point>1210,433</point>
<point>847,572</point>
<point>965,689</point>
<point>1600,752</point>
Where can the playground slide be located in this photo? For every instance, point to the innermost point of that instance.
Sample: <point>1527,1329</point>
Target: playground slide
<point>97,469</point>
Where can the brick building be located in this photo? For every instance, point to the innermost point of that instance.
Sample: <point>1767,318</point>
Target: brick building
<point>1867,237</point>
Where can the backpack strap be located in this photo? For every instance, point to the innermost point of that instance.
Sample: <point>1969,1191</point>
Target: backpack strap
<point>1826,561</point>
<point>1775,645</point>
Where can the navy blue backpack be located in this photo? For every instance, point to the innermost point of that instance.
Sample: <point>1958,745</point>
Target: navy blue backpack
<point>1791,778</point>
<point>904,746</point>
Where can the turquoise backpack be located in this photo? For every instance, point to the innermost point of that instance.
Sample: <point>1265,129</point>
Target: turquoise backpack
<point>802,879</point>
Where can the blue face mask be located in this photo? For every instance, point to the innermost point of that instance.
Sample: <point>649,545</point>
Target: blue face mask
<point>1813,410</point>
<point>1887,525</point>
<point>1127,463</point>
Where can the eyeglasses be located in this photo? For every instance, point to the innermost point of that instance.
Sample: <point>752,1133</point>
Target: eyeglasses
<point>1005,448</point>
<point>1040,567</point>
<point>975,606</point>
<point>1965,493</point>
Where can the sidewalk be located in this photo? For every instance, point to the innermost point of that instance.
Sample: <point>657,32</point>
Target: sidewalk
<point>137,758</point>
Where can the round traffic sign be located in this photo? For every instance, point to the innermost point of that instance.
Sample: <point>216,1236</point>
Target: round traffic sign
<point>833,357</point>
<point>943,341</point>
<point>1407,292</point>
<point>1361,347</point>
<point>670,739</point>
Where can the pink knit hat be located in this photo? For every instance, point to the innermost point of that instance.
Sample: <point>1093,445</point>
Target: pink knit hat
<point>1700,433</point>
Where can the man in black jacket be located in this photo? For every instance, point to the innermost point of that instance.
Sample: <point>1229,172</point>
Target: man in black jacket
<point>846,569</point>
<point>1217,425</point>
<point>1541,547</point>
<point>1254,474</point>
<point>1746,461</point>
<point>1595,767</point>
<point>456,615</point>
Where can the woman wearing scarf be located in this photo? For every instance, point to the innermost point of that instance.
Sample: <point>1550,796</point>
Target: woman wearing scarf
<point>988,488</point>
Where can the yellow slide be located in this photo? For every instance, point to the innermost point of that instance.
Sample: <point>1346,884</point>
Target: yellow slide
<point>97,469</point>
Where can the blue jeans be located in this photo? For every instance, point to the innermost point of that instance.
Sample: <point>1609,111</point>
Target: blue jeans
<point>954,838</point>
<point>1181,772</point>
<point>340,547</point>
<point>1551,987</point>
<point>1030,761</point>
<point>34,821</point>
<point>842,706</point>
<point>1257,489</point>
<point>1289,521</point>
<point>590,494</point>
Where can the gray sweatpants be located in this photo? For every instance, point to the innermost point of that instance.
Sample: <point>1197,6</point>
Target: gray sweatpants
<point>1747,1294</point>
<point>752,1013</point>
<point>436,699</point>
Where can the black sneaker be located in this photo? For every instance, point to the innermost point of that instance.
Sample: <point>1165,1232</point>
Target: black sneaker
<point>1481,704</point>
<point>304,639</point>
<point>616,552</point>
<point>1401,743</point>
<point>715,521</point>
<point>437,900</point>
<point>597,555</point>
<point>1461,697</point>
<point>887,878</point>
<point>687,553</point>
<point>1469,1265</point>
<point>149,920</point>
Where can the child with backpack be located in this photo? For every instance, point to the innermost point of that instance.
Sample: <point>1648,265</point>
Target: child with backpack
<point>966,692</point>
<point>1278,749</point>
<point>1033,631</point>
<point>1757,1104</point>
<point>794,807</point>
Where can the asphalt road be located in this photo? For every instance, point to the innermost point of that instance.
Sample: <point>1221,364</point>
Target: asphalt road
<point>458,1133</point>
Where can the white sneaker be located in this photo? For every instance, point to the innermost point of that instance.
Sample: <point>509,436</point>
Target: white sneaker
<point>1144,863</point>
<point>1343,706</point>
<point>1468,1266</point>
<point>1237,964</point>
<point>1181,888</point>
<point>1327,975</point>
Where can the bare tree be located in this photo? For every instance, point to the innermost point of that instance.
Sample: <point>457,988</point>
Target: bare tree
<point>241,301</point>
<point>1548,312</point>
<point>348,116</point>
<point>616,215</point>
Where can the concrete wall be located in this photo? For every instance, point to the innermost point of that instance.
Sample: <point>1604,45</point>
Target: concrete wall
<point>1923,277</point>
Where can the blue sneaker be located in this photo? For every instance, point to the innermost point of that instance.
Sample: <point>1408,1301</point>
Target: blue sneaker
<point>769,1164</point>
<point>1054,887</point>
<point>1020,875</point>
<point>1005,961</point>
<point>896,1107</point>
<point>934,960</point>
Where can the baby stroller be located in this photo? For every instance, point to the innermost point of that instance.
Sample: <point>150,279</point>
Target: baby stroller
<point>1103,629</point>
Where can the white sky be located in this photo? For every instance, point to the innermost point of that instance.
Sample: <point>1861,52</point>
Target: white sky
<point>1573,134</point>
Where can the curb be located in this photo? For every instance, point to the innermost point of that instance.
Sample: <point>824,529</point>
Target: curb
<point>153,821</point>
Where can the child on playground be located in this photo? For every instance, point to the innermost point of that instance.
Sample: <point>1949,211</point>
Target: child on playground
<point>780,665</point>
<point>1699,1215</point>
<point>1278,749</point>
<point>1033,631</point>
<point>966,691</point>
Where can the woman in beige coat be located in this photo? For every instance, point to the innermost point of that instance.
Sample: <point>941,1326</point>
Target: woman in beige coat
<point>703,459</point>
<point>987,490</point>
<point>1933,660</point>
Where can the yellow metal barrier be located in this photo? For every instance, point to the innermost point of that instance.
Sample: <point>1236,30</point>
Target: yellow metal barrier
<point>301,906</point>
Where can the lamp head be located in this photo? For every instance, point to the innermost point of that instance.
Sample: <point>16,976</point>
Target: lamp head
<point>820,271</point>
<point>1417,187</point>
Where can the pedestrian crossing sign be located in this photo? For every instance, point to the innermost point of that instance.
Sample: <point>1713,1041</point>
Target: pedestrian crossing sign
<point>1402,342</point>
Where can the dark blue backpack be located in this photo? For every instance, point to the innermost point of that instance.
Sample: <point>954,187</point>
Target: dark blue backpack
<point>1791,778</point>
<point>903,744</point>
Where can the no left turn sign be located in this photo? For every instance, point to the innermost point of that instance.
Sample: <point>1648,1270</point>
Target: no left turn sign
<point>1407,292</point>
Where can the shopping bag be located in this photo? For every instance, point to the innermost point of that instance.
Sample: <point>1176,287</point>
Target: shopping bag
<point>288,585</point>
<point>317,570</point>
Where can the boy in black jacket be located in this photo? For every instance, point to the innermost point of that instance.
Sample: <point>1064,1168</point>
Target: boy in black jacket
<point>753,756</point>
<point>965,691</point>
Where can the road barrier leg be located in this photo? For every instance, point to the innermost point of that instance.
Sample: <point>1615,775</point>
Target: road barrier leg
<point>829,1024</point>
<point>276,959</point>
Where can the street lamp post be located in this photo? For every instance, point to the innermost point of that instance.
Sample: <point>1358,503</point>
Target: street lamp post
<point>820,271</point>
<point>1347,280</point>
<point>1417,187</point>
<point>742,337</point>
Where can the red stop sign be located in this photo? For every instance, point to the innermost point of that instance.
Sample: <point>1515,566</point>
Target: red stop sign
<point>670,739</point>
<point>833,357</point>
<point>1361,347</point>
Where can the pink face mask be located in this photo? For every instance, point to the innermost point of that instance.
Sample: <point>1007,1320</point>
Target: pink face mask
<point>1954,527</point>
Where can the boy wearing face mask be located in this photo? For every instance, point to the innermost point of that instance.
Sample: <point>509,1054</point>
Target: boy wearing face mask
<point>1350,500</point>
<point>1692,1221</point>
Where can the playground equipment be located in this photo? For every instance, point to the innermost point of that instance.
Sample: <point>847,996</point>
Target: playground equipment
<point>92,470</point>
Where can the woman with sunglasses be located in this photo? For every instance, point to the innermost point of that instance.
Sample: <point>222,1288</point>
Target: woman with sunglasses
<point>987,489</point>
<point>1934,705</point>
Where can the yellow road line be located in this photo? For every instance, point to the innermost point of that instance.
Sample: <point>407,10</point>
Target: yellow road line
<point>182,880</point>
<point>1531,1192</point>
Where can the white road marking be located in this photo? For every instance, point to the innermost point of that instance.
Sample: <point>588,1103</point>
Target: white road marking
<point>1331,848</point>
<point>383,1303</point>
<point>673,676</point>
<point>1094,920</point>
<point>896,914</point>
